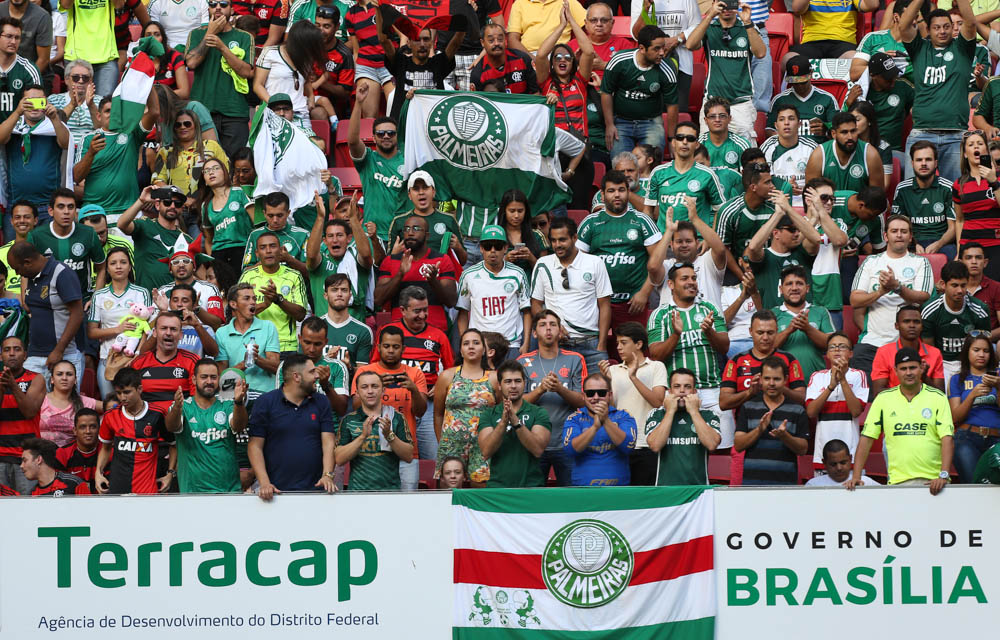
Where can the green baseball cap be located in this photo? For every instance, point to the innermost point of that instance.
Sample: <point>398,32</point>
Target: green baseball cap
<point>279,98</point>
<point>493,232</point>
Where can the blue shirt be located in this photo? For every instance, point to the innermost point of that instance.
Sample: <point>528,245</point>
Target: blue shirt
<point>233,349</point>
<point>984,411</point>
<point>602,463</point>
<point>293,448</point>
<point>46,296</point>
<point>36,180</point>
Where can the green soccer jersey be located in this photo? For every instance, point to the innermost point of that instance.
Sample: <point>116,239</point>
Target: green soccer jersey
<point>982,56</point>
<point>768,272</point>
<point>384,189</point>
<point>152,242</point>
<point>639,92</point>
<point>376,467</point>
<point>731,182</point>
<point>693,351</point>
<point>359,276</point>
<point>891,109</point>
<point>988,468</point>
<point>883,42</point>
<point>817,104</point>
<point>683,459</point>
<point>989,103</point>
<point>353,335</point>
<point>79,250</point>
<point>798,343</point>
<point>621,242</point>
<point>929,209</point>
<point>472,219</point>
<point>21,74</point>
<point>111,182</point>
<point>947,329</point>
<point>339,376</point>
<point>858,231</point>
<point>668,186</point>
<point>849,176</point>
<point>292,238</point>
<point>727,51</point>
<point>289,283</point>
<point>212,86</point>
<point>438,224</point>
<point>206,449</point>
<point>512,465</point>
<point>941,77</point>
<point>726,154</point>
<point>306,10</point>
<point>736,223</point>
<point>231,225</point>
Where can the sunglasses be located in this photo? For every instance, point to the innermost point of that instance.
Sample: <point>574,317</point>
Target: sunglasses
<point>385,133</point>
<point>177,202</point>
<point>538,224</point>
<point>760,167</point>
<point>79,77</point>
<point>183,124</point>
<point>493,246</point>
<point>565,278</point>
<point>600,393</point>
<point>686,137</point>
<point>717,116</point>
<point>412,227</point>
<point>826,198</point>
<point>563,56</point>
<point>218,4</point>
<point>325,12</point>
<point>177,261</point>
<point>975,132</point>
<point>979,333</point>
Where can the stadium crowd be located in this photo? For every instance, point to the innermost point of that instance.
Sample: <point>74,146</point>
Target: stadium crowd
<point>743,288</point>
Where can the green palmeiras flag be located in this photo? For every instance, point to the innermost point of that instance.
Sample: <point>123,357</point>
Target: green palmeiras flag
<point>285,158</point>
<point>476,146</point>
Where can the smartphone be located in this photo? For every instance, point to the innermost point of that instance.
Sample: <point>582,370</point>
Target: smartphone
<point>986,160</point>
<point>518,245</point>
<point>732,5</point>
<point>38,103</point>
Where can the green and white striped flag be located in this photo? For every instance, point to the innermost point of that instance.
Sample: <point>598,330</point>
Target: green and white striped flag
<point>285,159</point>
<point>476,146</point>
<point>579,564</point>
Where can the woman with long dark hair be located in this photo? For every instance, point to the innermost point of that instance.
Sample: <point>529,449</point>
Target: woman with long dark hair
<point>976,198</point>
<point>171,71</point>
<point>527,244</point>
<point>288,68</point>
<point>61,404</point>
<point>224,221</point>
<point>973,393</point>
<point>864,113</point>
<point>180,163</point>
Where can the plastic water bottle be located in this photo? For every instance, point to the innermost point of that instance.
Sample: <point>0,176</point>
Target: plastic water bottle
<point>249,359</point>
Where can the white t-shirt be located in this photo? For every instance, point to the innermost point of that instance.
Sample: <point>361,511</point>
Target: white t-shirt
<point>674,16</point>
<point>495,301</point>
<point>709,280</point>
<point>58,31</point>
<point>837,424</point>
<point>826,481</point>
<point>282,79</point>
<point>577,304</point>
<point>179,18</point>
<point>652,373</point>
<point>791,163</point>
<point>108,309</point>
<point>739,328</point>
<point>912,271</point>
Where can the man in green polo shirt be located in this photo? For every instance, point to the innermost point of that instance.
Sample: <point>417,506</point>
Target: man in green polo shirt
<point>292,239</point>
<point>333,248</point>
<point>927,199</point>
<point>280,290</point>
<point>221,57</point>
<point>682,433</point>
<point>513,433</point>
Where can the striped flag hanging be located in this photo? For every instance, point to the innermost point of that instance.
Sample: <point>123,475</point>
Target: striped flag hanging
<point>128,102</point>
<point>580,564</point>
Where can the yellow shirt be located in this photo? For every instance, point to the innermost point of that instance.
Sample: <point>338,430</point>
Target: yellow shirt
<point>830,20</point>
<point>182,174</point>
<point>913,431</point>
<point>13,280</point>
<point>535,20</point>
<point>290,284</point>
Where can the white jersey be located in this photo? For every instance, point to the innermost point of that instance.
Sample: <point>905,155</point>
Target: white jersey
<point>587,280</point>
<point>178,18</point>
<point>495,301</point>
<point>209,297</point>
<point>912,271</point>
<point>709,280</point>
<point>826,481</point>
<point>673,17</point>
<point>789,164</point>
<point>836,423</point>
<point>739,328</point>
<point>107,309</point>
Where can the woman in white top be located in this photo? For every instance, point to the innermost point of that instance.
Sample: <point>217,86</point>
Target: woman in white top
<point>289,68</point>
<point>179,18</point>
<point>110,304</point>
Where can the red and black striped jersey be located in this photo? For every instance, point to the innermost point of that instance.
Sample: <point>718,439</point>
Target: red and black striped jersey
<point>81,465</point>
<point>63,484</point>
<point>14,427</point>
<point>572,102</point>
<point>360,23</point>
<point>161,379</point>
<point>268,12</point>
<point>429,351</point>
<point>7,491</point>
<point>123,17</point>
<point>517,75</point>
<point>135,441</point>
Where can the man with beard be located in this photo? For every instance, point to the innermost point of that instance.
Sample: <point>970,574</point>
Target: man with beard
<point>340,246</point>
<point>628,164</point>
<point>208,302</point>
<point>421,191</point>
<point>381,169</point>
<point>165,368</point>
<point>415,263</point>
<point>280,290</point>
<point>292,238</point>
<point>803,328</point>
<point>419,66</point>
<point>787,152</point>
<point>23,393</point>
<point>682,238</point>
<point>509,70</point>
<point>599,437</point>
<point>205,429</point>
<point>625,239</point>
<point>292,438</point>
<point>669,183</point>
<point>332,377</point>
<point>154,236</point>
<point>37,139</point>
<point>739,219</point>
<point>851,164</point>
<point>927,199</point>
<point>344,331</point>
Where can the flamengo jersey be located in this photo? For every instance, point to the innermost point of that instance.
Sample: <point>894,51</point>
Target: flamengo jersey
<point>209,297</point>
<point>161,379</point>
<point>495,301</point>
<point>429,351</point>
<point>78,463</point>
<point>136,442</point>
<point>14,426</point>
<point>62,484</point>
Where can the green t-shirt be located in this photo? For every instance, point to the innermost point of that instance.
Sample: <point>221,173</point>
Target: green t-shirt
<point>90,31</point>
<point>512,465</point>
<point>768,272</point>
<point>620,241</point>
<point>355,336</point>
<point>376,467</point>
<point>212,86</point>
<point>472,219</point>
<point>731,181</point>
<point>231,224</point>
<point>853,175</point>
<point>818,104</point>
<point>989,103</point>
<point>640,93</point>
<point>359,276</point>
<point>684,459</point>
<point>339,376</point>
<point>292,238</point>
<point>929,209</point>
<point>988,468</point>
<point>883,42</point>
<point>891,109</point>
<point>693,350</point>
<point>438,224</point>
<point>79,251</point>
<point>290,284</point>
<point>306,10</point>
<point>941,77</point>
<point>111,182</point>
<point>667,188</point>
<point>798,343</point>
<point>21,74</point>
<point>152,242</point>
<point>206,449</point>
<point>384,188</point>
<point>858,230</point>
<point>726,154</point>
<point>736,223</point>
<point>947,329</point>
<point>982,56</point>
<point>727,51</point>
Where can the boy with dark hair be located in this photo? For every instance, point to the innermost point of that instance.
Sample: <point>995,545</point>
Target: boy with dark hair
<point>39,464</point>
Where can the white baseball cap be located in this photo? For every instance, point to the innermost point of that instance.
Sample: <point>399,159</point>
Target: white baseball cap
<point>420,175</point>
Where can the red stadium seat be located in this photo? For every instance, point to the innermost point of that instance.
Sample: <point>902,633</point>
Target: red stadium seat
<point>837,87</point>
<point>937,261</point>
<point>890,188</point>
<point>577,215</point>
<point>759,126</point>
<point>135,31</point>
<point>780,30</point>
<point>778,7</point>
<point>805,466</point>
<point>382,318</point>
<point>88,385</point>
<point>322,130</point>
<point>719,469</point>
<point>777,74</point>
<point>697,87</point>
<point>623,26</point>
<point>427,480</point>
<point>875,467</point>
<point>699,55</point>
<point>349,178</point>
<point>852,329</point>
<point>341,152</point>
<point>599,171</point>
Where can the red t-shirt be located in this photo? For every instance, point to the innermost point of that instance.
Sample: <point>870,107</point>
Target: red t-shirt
<point>64,483</point>
<point>14,427</point>
<point>884,365</point>
<point>606,50</point>
<point>136,444</point>
<point>989,294</point>
<point>79,464</point>
<point>980,210</point>
<point>572,103</point>
<point>170,65</point>
<point>436,314</point>
<point>161,379</point>
<point>428,351</point>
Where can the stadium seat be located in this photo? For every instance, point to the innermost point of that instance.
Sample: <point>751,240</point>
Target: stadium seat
<point>759,126</point>
<point>681,117</point>
<point>577,215</point>
<point>382,318</point>
<point>426,480</point>
<point>778,7</point>
<point>805,468</point>
<point>599,171</point>
<point>623,26</point>
<point>937,261</point>
<point>88,385</point>
<point>777,75</point>
<point>347,473</point>
<point>780,27</point>
<point>850,327</point>
<point>341,153</point>
<point>875,467</point>
<point>836,87</point>
<point>349,178</point>
<point>551,480</point>
<point>697,87</point>
<point>322,130</point>
<point>699,55</point>
<point>718,469</point>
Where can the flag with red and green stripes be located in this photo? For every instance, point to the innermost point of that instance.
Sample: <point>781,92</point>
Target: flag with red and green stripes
<point>584,564</point>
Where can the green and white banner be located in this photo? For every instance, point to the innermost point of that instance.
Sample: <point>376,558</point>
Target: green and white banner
<point>476,146</point>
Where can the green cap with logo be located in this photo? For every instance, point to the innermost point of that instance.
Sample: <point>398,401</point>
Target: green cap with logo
<point>493,232</point>
<point>279,98</point>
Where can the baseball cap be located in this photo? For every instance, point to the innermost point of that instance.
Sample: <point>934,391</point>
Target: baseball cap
<point>278,98</point>
<point>90,210</point>
<point>907,354</point>
<point>419,175</point>
<point>881,64</point>
<point>493,232</point>
<point>798,70</point>
<point>169,192</point>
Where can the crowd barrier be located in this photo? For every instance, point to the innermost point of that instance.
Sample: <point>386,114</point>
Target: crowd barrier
<point>816,563</point>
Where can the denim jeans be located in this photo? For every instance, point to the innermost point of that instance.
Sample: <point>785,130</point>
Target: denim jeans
<point>427,443</point>
<point>632,132</point>
<point>969,447</point>
<point>12,476</point>
<point>562,464</point>
<point>473,251</point>
<point>74,355</point>
<point>106,77</point>
<point>949,149</point>
<point>587,347</point>
<point>763,83</point>
<point>737,347</point>
<point>409,475</point>
<point>837,317</point>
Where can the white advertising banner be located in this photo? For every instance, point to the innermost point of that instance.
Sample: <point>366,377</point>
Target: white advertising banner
<point>825,563</point>
<point>304,566</point>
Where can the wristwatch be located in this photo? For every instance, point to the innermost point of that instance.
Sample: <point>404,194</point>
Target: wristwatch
<point>944,475</point>
<point>330,474</point>
<point>391,436</point>
<point>173,472</point>
<point>279,298</point>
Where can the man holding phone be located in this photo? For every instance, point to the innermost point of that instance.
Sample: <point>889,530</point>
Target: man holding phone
<point>155,236</point>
